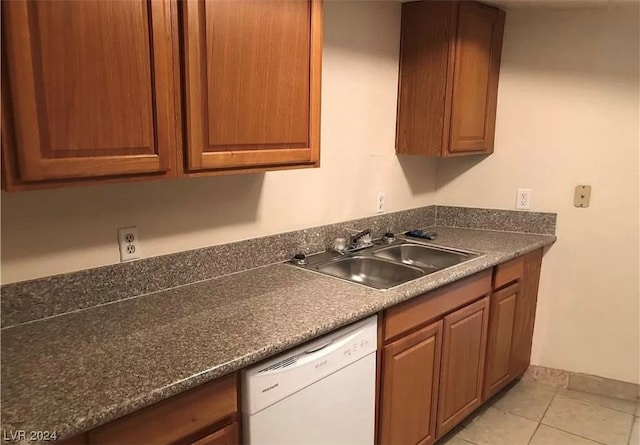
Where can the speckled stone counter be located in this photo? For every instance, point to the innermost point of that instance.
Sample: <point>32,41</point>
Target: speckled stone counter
<point>76,371</point>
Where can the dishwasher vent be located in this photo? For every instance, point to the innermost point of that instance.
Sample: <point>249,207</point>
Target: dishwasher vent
<point>283,364</point>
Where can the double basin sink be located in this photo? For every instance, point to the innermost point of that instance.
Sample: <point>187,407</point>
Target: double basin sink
<point>386,265</point>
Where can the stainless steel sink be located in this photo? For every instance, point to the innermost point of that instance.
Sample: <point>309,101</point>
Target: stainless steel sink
<point>384,264</point>
<point>374,272</point>
<point>422,256</point>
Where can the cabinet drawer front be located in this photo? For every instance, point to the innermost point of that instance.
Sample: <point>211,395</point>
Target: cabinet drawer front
<point>91,86</point>
<point>463,359</point>
<point>508,272</point>
<point>174,419</point>
<point>411,371</point>
<point>420,310</point>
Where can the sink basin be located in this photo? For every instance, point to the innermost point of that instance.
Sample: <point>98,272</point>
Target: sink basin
<point>429,258</point>
<point>370,271</point>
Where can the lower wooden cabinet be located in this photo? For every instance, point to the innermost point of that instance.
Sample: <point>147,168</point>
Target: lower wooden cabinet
<point>463,356</point>
<point>411,368</point>
<point>512,316</point>
<point>503,316</point>
<point>526,313</point>
<point>449,350</point>
<point>433,361</point>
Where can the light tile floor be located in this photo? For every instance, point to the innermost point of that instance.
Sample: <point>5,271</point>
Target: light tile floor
<point>530,413</point>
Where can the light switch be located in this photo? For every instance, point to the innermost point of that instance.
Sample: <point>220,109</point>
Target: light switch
<point>582,196</point>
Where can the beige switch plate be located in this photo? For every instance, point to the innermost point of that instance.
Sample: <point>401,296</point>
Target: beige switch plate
<point>582,196</point>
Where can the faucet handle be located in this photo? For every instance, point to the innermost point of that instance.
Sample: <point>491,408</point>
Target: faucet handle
<point>362,238</point>
<point>360,234</point>
<point>388,237</point>
<point>339,245</point>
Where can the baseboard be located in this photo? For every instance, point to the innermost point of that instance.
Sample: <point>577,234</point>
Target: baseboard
<point>583,382</point>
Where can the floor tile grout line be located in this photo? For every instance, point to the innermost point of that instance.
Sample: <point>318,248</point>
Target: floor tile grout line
<point>598,404</point>
<point>572,432</point>
<point>534,433</point>
<point>521,416</point>
<point>555,393</point>
<point>633,421</point>
<point>590,403</point>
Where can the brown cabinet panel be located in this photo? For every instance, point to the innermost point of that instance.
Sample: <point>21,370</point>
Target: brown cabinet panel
<point>90,89</point>
<point>448,80</point>
<point>526,313</point>
<point>225,436</point>
<point>252,79</point>
<point>423,76</point>
<point>475,79</point>
<point>174,419</point>
<point>411,369</point>
<point>463,360</point>
<point>508,272</point>
<point>501,326</point>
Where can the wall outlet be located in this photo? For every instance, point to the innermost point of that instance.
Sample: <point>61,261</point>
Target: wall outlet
<point>380,203</point>
<point>129,244</point>
<point>523,199</point>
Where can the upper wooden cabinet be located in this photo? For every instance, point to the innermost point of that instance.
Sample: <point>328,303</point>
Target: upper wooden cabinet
<point>448,83</point>
<point>252,83</point>
<point>93,89</point>
<point>87,90</point>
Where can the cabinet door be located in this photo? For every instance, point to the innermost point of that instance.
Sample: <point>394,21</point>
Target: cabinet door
<point>526,313</point>
<point>478,48</point>
<point>499,348</point>
<point>91,88</point>
<point>463,358</point>
<point>410,377</point>
<point>427,31</point>
<point>225,436</point>
<point>252,73</point>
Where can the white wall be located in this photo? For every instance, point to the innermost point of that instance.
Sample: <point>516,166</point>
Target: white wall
<point>56,231</point>
<point>568,114</point>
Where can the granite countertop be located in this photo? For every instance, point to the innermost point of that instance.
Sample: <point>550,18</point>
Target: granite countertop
<point>73,372</point>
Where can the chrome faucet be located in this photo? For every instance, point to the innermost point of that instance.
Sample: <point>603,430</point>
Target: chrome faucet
<point>360,240</point>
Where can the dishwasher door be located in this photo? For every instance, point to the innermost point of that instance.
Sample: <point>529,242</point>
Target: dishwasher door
<point>322,393</point>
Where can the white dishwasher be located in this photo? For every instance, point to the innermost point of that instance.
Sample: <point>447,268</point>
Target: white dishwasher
<point>320,393</point>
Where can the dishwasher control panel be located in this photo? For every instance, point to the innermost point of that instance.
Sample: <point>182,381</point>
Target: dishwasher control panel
<point>270,381</point>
